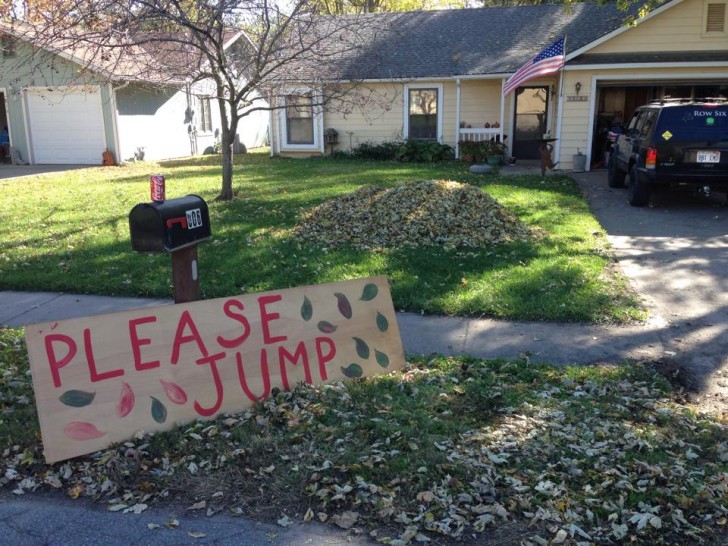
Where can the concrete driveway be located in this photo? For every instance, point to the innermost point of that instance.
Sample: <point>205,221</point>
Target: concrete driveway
<point>675,253</point>
<point>16,171</point>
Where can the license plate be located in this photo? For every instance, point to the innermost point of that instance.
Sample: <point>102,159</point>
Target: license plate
<point>708,157</point>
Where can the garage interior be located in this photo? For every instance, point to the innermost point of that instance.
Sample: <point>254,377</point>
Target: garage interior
<point>616,102</point>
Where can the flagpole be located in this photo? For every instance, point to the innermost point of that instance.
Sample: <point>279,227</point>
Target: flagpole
<point>560,109</point>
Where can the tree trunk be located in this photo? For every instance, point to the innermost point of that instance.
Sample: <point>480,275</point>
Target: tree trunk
<point>229,128</point>
<point>226,192</point>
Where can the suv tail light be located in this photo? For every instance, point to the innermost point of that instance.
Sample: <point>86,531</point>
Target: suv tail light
<point>651,158</point>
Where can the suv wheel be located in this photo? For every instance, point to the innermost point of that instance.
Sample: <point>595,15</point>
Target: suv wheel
<point>615,176</point>
<point>638,193</point>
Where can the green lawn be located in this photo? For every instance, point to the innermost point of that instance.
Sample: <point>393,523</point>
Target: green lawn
<point>70,232</point>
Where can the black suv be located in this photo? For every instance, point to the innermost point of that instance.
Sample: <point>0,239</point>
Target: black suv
<point>672,143</point>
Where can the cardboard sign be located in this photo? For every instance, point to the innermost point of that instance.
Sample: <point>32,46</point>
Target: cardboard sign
<point>100,380</point>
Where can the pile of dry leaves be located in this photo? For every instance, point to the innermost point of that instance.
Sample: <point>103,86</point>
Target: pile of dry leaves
<point>414,214</point>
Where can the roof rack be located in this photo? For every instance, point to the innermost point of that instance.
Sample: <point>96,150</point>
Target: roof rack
<point>686,100</point>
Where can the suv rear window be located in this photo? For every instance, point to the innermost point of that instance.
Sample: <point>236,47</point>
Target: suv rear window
<point>696,122</point>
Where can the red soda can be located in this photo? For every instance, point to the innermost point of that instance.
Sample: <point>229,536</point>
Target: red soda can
<point>156,186</point>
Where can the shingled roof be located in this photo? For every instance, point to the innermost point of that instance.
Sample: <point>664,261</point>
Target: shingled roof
<point>465,42</point>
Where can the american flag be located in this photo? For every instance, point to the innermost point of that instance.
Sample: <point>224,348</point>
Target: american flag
<point>548,61</point>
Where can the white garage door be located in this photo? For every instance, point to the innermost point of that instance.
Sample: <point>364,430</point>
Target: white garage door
<point>66,125</point>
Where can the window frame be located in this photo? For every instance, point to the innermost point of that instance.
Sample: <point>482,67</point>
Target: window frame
<point>406,126</point>
<point>316,121</point>
<point>204,117</point>
<point>8,44</point>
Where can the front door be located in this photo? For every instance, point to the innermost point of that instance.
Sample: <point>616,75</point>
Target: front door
<point>529,125</point>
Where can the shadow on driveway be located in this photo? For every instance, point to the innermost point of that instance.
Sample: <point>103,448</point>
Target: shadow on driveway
<point>675,253</point>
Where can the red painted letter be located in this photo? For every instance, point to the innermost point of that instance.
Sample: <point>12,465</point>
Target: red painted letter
<point>236,342</point>
<point>137,342</point>
<point>56,364</point>
<point>266,317</point>
<point>212,361</point>
<point>95,375</point>
<point>284,355</point>
<point>264,375</point>
<point>324,358</point>
<point>179,338</point>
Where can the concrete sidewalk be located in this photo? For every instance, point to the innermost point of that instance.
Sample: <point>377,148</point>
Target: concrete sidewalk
<point>421,334</point>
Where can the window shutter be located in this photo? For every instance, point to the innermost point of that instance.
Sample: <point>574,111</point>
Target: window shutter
<point>715,21</point>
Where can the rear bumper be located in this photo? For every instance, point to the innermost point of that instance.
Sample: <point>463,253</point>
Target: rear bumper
<point>714,180</point>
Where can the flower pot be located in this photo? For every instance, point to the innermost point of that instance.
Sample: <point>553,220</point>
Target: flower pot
<point>579,161</point>
<point>493,160</point>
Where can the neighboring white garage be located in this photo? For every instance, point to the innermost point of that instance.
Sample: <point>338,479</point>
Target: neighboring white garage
<point>66,125</point>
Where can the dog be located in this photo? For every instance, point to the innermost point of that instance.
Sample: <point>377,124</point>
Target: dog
<point>547,163</point>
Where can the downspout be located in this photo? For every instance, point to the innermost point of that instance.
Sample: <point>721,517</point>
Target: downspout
<point>114,121</point>
<point>457,118</point>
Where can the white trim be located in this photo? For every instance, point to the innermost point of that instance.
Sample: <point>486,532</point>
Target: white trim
<point>458,98</point>
<point>272,143</point>
<point>621,30</point>
<point>26,124</point>
<point>559,116</point>
<point>114,123</point>
<point>623,66</point>
<point>502,114</point>
<point>440,101</point>
<point>318,141</point>
<point>662,75</point>
<point>511,112</point>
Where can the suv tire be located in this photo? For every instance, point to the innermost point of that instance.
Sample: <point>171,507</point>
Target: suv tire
<point>615,176</point>
<point>638,193</point>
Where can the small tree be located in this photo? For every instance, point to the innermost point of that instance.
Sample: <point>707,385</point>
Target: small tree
<point>251,50</point>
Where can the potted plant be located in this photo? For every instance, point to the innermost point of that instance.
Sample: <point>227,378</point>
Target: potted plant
<point>494,152</point>
<point>468,150</point>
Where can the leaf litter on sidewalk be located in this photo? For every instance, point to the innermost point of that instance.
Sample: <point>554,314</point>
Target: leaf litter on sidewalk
<point>445,450</point>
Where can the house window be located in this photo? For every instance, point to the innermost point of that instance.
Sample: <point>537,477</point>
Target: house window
<point>714,18</point>
<point>8,46</point>
<point>205,115</point>
<point>423,113</point>
<point>299,119</point>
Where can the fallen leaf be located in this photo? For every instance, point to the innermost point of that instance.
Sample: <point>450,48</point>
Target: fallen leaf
<point>346,520</point>
<point>560,537</point>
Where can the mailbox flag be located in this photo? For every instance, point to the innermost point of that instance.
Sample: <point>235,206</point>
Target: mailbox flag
<point>550,60</point>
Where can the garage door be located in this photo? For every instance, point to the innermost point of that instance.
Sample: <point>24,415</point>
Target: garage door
<point>66,125</point>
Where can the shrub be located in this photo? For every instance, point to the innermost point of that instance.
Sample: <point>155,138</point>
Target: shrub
<point>382,151</point>
<point>423,151</point>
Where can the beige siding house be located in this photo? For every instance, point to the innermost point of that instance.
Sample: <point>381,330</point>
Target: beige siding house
<point>452,65</point>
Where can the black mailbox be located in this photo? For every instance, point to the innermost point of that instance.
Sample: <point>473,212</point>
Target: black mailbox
<point>167,226</point>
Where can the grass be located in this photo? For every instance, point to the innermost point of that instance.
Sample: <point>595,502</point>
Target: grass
<point>70,232</point>
<point>444,448</point>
